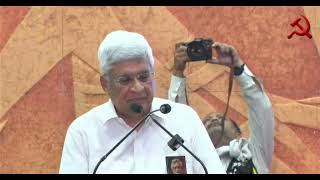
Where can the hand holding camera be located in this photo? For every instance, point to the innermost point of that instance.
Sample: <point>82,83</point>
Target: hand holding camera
<point>180,59</point>
<point>226,55</point>
<point>201,50</point>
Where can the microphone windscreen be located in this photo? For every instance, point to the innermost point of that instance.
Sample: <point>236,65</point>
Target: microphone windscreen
<point>165,108</point>
<point>136,108</point>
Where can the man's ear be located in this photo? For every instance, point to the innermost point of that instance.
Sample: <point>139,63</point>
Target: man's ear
<point>104,84</point>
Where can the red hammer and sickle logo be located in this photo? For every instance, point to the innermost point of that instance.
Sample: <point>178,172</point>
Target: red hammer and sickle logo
<point>304,31</point>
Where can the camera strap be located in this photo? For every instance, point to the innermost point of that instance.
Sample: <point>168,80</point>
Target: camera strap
<point>231,74</point>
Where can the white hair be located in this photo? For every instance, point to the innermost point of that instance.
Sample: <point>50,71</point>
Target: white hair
<point>119,46</point>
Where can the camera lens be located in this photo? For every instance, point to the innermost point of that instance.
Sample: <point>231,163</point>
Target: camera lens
<point>195,51</point>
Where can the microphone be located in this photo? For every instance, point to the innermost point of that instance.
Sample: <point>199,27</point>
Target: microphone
<point>165,108</point>
<point>137,109</point>
<point>176,141</point>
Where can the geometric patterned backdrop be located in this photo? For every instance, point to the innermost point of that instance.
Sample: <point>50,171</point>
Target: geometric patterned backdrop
<point>49,73</point>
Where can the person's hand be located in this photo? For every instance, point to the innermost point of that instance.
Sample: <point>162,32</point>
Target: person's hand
<point>180,59</point>
<point>227,55</point>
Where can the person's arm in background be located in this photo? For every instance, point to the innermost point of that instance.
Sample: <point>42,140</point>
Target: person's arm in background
<point>261,120</point>
<point>177,89</point>
<point>261,117</point>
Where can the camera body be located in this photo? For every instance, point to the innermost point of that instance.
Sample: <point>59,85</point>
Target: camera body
<point>200,49</point>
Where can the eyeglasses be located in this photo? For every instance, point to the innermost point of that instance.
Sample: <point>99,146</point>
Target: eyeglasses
<point>126,80</point>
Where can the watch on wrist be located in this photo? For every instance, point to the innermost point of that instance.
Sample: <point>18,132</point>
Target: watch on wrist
<point>238,70</point>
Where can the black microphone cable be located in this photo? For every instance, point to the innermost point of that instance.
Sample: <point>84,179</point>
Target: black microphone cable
<point>138,109</point>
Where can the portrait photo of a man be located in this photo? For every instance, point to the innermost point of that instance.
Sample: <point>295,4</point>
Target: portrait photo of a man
<point>176,165</point>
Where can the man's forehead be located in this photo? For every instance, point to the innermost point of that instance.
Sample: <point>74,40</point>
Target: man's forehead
<point>212,116</point>
<point>215,115</point>
<point>130,66</point>
<point>213,122</point>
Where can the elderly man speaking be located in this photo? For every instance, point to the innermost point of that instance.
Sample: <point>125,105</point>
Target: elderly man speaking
<point>127,67</point>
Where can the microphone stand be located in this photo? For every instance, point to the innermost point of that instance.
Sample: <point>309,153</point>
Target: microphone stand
<point>176,141</point>
<point>115,146</point>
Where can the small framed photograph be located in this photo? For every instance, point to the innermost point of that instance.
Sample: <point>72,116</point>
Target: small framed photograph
<point>176,165</point>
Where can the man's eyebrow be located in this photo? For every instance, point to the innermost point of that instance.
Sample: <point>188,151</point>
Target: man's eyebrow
<point>129,74</point>
<point>144,71</point>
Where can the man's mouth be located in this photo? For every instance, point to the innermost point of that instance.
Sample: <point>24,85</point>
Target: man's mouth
<point>140,99</point>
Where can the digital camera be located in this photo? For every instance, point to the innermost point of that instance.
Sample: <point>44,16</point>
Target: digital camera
<point>200,49</point>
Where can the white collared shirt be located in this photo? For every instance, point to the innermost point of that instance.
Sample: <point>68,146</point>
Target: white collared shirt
<point>261,119</point>
<point>94,133</point>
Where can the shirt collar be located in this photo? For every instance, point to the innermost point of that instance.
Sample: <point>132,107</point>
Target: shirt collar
<point>108,112</point>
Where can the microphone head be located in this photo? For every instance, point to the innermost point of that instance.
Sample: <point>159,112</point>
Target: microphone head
<point>165,108</point>
<point>136,108</point>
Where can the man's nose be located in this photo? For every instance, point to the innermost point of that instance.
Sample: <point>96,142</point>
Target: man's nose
<point>137,86</point>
